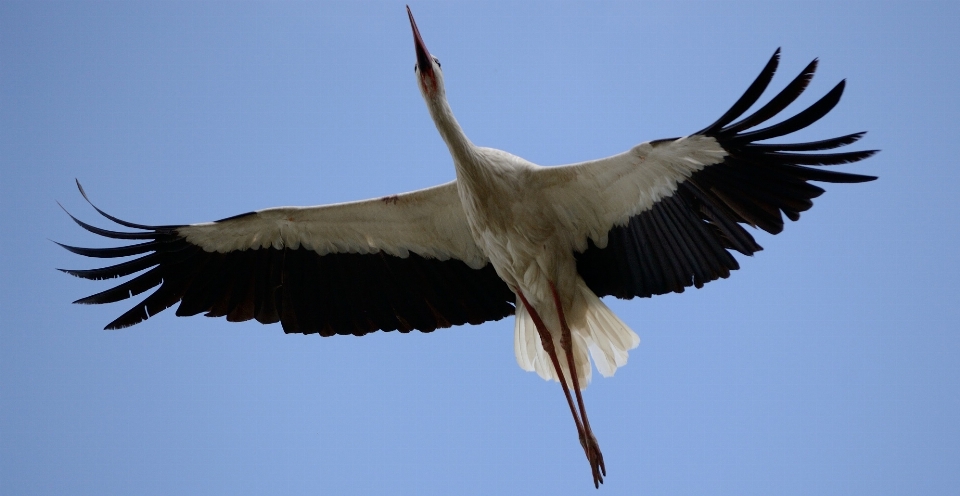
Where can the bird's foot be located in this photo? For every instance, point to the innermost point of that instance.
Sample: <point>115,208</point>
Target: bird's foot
<point>592,449</point>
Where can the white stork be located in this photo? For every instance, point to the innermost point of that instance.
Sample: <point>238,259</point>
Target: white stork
<point>506,237</point>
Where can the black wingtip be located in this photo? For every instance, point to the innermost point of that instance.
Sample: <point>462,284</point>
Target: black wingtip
<point>109,234</point>
<point>775,56</point>
<point>83,301</point>
<point>71,249</point>
<point>749,97</point>
<point>868,154</point>
<point>826,144</point>
<point>779,102</point>
<point>803,119</point>
<point>122,222</point>
<point>860,178</point>
<point>82,192</point>
<point>116,252</point>
<point>131,317</point>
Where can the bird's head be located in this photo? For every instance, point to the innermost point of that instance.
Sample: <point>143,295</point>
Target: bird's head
<point>429,75</point>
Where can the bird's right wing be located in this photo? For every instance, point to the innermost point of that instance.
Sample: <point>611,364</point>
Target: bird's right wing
<point>401,262</point>
<point>663,215</point>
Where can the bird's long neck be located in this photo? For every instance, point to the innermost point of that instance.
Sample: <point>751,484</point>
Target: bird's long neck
<point>461,148</point>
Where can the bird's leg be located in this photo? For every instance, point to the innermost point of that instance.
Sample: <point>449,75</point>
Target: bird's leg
<point>590,445</point>
<point>547,342</point>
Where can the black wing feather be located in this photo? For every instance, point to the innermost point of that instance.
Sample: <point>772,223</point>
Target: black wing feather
<point>776,105</point>
<point>683,240</point>
<point>803,119</point>
<point>753,93</point>
<point>827,144</point>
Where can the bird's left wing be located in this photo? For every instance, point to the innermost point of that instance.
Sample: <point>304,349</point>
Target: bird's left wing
<point>401,262</point>
<point>663,215</point>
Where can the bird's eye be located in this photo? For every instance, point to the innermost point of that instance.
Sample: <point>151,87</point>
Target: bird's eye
<point>437,61</point>
<point>414,67</point>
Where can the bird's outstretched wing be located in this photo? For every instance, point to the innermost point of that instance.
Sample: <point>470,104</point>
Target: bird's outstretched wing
<point>663,215</point>
<point>402,262</point>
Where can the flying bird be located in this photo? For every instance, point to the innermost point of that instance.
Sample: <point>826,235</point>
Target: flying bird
<point>507,237</point>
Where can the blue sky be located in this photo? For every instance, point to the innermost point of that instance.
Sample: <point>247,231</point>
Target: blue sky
<point>827,365</point>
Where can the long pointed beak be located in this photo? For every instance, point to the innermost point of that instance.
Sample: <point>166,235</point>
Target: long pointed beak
<point>424,61</point>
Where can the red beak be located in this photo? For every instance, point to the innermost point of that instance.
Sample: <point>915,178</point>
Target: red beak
<point>424,60</point>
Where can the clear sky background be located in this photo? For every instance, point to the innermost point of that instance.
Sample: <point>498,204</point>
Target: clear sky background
<point>829,364</point>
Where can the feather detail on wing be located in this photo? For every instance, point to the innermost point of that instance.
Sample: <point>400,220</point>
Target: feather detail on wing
<point>663,215</point>
<point>397,263</point>
<point>429,222</point>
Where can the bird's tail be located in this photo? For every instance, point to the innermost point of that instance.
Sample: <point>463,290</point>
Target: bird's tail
<point>601,332</point>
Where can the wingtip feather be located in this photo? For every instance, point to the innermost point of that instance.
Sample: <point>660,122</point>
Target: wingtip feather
<point>749,97</point>
<point>132,225</point>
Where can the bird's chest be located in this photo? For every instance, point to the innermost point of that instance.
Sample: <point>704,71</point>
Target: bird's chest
<point>511,225</point>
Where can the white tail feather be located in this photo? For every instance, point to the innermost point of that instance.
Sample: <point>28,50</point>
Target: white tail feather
<point>606,337</point>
